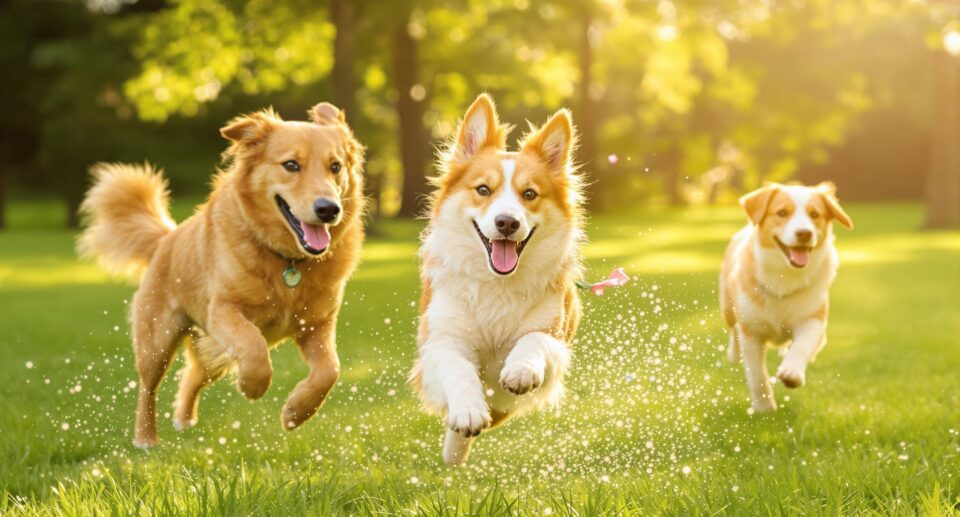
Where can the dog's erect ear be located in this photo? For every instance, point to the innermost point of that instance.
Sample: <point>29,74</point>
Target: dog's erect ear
<point>250,129</point>
<point>829,192</point>
<point>479,129</point>
<point>326,113</point>
<point>554,141</point>
<point>755,203</point>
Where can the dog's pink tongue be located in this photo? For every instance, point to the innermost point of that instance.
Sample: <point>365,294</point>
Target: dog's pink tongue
<point>504,255</point>
<point>316,235</point>
<point>799,256</point>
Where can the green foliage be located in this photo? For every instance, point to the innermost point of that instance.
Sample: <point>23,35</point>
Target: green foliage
<point>693,98</point>
<point>189,52</point>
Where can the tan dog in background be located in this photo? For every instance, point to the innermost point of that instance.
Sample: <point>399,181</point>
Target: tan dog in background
<point>266,258</point>
<point>775,282</point>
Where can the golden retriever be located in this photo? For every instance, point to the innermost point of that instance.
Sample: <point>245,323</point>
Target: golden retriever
<point>267,257</point>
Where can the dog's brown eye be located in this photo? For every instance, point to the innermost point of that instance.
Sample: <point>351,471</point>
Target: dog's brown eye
<point>335,167</point>
<point>483,190</point>
<point>814,214</point>
<point>782,213</point>
<point>529,194</point>
<point>291,166</point>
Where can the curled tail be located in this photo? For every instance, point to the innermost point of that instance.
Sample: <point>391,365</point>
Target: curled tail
<point>126,214</point>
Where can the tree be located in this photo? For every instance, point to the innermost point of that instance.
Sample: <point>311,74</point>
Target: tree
<point>409,97</point>
<point>943,179</point>
<point>343,14</point>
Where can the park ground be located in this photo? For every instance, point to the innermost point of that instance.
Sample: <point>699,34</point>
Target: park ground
<point>655,420</point>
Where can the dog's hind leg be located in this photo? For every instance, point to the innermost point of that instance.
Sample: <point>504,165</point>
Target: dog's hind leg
<point>158,328</point>
<point>733,349</point>
<point>456,447</point>
<point>755,367</point>
<point>206,361</point>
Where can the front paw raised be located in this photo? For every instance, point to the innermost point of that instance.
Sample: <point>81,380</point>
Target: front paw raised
<point>469,420</point>
<point>520,378</point>
<point>253,382</point>
<point>791,376</point>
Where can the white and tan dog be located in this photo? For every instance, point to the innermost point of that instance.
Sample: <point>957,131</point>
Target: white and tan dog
<point>775,282</point>
<point>499,259</point>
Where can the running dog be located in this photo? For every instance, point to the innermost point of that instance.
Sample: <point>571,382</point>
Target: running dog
<point>499,260</point>
<point>267,257</point>
<point>775,282</point>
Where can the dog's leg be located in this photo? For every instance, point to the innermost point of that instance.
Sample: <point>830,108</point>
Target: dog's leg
<point>755,366</point>
<point>243,341</point>
<point>456,447</point>
<point>157,330</point>
<point>319,351</point>
<point>451,380</point>
<point>200,370</point>
<point>808,337</point>
<point>535,357</point>
<point>733,349</point>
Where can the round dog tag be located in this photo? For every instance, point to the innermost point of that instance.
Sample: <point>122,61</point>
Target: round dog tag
<point>291,277</point>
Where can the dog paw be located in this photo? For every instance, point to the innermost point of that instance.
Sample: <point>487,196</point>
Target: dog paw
<point>182,424</point>
<point>292,418</point>
<point>520,378</point>
<point>764,405</point>
<point>469,420</point>
<point>791,376</point>
<point>253,383</point>
<point>145,444</point>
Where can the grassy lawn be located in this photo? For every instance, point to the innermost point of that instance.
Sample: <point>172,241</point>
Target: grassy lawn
<point>655,421</point>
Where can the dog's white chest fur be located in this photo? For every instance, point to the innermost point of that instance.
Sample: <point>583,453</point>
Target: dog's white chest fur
<point>787,295</point>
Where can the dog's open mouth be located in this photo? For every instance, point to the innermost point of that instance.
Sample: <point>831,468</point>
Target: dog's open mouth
<point>797,256</point>
<point>313,238</point>
<point>503,254</point>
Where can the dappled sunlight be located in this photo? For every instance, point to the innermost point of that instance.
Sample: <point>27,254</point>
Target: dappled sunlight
<point>50,273</point>
<point>658,262</point>
<point>895,247</point>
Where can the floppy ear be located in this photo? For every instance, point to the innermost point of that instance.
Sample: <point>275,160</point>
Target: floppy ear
<point>478,130</point>
<point>325,113</point>
<point>250,129</point>
<point>755,203</point>
<point>829,192</point>
<point>554,141</point>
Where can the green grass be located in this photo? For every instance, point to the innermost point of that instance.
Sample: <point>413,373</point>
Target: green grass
<point>655,421</point>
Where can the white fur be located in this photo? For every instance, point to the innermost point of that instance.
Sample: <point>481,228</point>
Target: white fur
<point>788,306</point>
<point>484,329</point>
<point>506,201</point>
<point>800,219</point>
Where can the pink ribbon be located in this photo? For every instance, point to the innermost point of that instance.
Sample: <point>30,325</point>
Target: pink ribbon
<point>617,278</point>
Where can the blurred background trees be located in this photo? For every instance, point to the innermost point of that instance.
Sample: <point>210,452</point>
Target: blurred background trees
<point>676,101</point>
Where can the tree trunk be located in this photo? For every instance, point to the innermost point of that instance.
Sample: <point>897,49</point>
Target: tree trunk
<point>586,124</point>
<point>344,50</point>
<point>73,200</point>
<point>943,178</point>
<point>413,140</point>
<point>3,194</point>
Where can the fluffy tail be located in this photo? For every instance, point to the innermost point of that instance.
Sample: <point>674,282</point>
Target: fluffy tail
<point>126,214</point>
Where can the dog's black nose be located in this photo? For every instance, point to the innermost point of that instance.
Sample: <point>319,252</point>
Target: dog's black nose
<point>507,224</point>
<point>327,210</point>
<point>804,236</point>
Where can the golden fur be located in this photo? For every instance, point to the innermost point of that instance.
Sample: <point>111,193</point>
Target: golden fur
<point>215,282</point>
